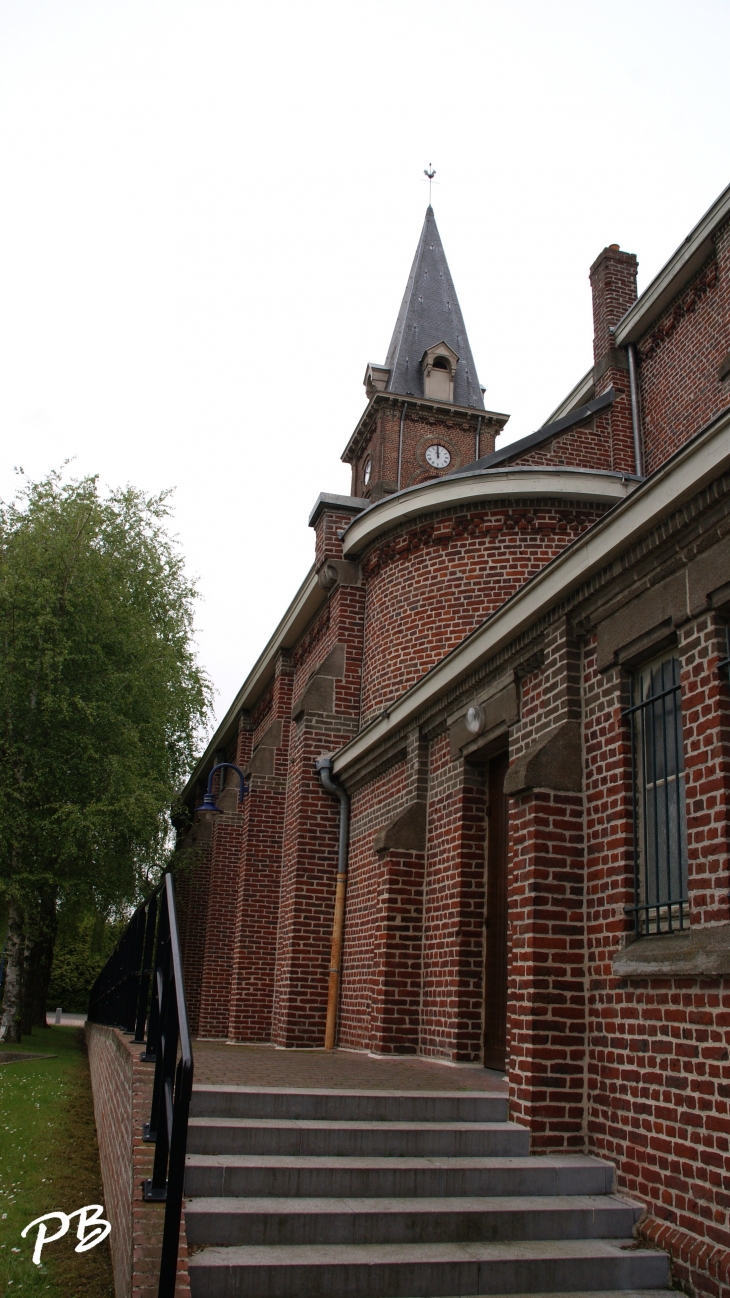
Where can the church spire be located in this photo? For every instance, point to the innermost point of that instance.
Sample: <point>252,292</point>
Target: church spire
<point>429,353</point>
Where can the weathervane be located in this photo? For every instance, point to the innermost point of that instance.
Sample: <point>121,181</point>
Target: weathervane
<point>429,171</point>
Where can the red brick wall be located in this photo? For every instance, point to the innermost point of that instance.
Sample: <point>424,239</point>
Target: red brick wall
<point>546,999</point>
<point>397,944</point>
<point>546,995</point>
<point>223,882</point>
<point>429,586</point>
<point>327,543</point>
<point>371,808</point>
<point>453,949</point>
<point>253,933</point>
<point>679,360</point>
<point>309,868</point>
<point>122,1090</point>
<point>310,836</point>
<point>192,885</point>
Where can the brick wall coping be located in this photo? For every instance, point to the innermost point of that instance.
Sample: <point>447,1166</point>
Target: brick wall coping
<point>299,614</point>
<point>599,486</point>
<point>692,467</point>
<point>344,504</point>
<point>680,268</point>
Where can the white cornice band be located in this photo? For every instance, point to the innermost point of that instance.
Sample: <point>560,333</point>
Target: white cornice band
<point>485,484</point>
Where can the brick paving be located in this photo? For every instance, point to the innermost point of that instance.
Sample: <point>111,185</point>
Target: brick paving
<point>236,1065</point>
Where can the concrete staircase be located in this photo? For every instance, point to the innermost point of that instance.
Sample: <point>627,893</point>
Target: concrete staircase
<point>372,1194</point>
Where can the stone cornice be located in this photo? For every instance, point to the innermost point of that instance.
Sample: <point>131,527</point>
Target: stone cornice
<point>484,485</point>
<point>442,410</point>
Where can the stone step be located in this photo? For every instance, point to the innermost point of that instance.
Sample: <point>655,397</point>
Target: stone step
<point>426,1270</point>
<point>277,1175</point>
<point>376,1139</point>
<point>356,1106</point>
<point>231,1221</point>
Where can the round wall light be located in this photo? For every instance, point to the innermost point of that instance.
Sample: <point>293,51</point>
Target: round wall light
<point>475,719</point>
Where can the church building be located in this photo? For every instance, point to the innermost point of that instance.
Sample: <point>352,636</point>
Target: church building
<point>487,747</point>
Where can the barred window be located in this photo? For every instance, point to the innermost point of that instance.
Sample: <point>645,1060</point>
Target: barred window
<point>660,822</point>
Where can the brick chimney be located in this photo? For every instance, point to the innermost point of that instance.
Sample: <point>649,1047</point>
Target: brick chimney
<point>613,283</point>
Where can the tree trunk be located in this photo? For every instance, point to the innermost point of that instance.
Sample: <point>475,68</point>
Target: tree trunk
<point>30,960</point>
<point>45,966</point>
<point>13,982</point>
<point>39,946</point>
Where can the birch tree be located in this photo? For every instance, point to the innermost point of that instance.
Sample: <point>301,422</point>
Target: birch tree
<point>102,703</point>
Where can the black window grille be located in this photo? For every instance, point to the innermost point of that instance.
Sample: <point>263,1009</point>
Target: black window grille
<point>660,819</point>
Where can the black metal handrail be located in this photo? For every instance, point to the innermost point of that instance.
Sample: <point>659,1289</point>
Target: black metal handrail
<point>121,998</point>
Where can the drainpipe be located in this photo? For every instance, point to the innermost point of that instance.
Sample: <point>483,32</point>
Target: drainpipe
<point>478,446</point>
<point>324,767</point>
<point>635,416</point>
<point>400,440</point>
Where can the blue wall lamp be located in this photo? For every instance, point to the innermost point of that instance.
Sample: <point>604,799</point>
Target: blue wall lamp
<point>208,807</point>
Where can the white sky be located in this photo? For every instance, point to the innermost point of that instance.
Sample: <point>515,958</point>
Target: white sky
<point>209,210</point>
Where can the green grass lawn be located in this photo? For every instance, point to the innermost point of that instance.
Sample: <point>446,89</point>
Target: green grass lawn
<point>49,1160</point>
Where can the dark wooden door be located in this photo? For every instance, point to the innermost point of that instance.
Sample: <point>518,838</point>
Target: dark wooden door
<point>495,970</point>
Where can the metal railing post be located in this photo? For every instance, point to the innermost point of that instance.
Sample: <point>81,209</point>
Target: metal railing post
<point>145,973</point>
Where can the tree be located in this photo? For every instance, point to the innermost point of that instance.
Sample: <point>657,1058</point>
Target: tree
<point>102,704</point>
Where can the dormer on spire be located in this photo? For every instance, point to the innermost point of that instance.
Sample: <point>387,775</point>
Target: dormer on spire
<point>438,366</point>
<point>429,323</point>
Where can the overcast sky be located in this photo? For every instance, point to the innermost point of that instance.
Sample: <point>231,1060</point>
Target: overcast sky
<point>209,211</point>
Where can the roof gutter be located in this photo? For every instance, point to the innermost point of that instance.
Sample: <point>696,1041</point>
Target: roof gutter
<point>635,415</point>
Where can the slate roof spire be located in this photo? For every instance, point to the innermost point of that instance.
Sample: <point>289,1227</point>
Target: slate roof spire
<point>430,314</point>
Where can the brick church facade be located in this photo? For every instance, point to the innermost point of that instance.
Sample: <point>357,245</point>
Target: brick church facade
<point>514,664</point>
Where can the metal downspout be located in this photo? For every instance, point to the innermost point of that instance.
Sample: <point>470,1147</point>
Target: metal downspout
<point>478,438</point>
<point>324,767</point>
<point>635,415</point>
<point>400,440</point>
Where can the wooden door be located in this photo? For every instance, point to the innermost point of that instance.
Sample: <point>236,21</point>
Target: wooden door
<point>495,968</point>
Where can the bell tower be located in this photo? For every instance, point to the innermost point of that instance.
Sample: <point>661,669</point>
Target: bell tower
<point>426,414</point>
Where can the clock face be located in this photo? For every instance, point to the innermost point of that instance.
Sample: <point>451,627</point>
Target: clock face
<point>368,470</point>
<point>438,457</point>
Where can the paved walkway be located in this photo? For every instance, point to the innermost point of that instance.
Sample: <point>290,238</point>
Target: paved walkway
<point>221,1064</point>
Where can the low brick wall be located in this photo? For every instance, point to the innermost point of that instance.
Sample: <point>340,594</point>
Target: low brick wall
<point>122,1088</point>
